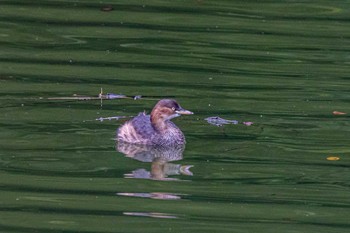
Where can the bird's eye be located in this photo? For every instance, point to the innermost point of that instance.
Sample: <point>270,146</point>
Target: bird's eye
<point>173,108</point>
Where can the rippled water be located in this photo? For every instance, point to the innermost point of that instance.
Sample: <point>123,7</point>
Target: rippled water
<point>283,65</point>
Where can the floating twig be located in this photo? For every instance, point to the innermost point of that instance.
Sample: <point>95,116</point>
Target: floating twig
<point>101,96</point>
<point>74,98</point>
<point>110,118</point>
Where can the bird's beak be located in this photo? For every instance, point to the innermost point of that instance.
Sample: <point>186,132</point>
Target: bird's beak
<point>183,112</point>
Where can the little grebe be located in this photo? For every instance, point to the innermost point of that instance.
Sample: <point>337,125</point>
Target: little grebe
<point>155,129</point>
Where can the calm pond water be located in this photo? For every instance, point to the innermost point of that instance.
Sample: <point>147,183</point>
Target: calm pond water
<point>283,65</point>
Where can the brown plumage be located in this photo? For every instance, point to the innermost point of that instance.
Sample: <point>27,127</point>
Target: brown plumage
<point>155,129</point>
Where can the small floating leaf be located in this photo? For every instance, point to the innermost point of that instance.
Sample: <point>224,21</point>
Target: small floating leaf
<point>339,113</point>
<point>333,158</point>
<point>107,8</point>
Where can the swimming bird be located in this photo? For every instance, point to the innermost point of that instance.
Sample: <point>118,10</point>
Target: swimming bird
<point>156,128</point>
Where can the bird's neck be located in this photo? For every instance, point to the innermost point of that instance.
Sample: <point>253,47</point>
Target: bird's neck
<point>159,122</point>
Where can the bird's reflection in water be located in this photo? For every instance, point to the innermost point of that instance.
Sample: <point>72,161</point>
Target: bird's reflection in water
<point>159,156</point>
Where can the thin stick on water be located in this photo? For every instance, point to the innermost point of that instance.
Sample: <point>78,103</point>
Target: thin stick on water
<point>101,96</point>
<point>111,118</point>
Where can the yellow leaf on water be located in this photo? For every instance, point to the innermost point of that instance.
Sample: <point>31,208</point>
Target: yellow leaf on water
<point>339,113</point>
<point>333,158</point>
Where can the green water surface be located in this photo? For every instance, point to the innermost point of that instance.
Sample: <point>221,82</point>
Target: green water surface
<point>283,65</point>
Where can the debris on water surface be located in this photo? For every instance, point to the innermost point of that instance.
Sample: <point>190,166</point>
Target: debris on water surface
<point>339,113</point>
<point>101,96</point>
<point>107,8</point>
<point>333,158</point>
<point>218,121</point>
<point>110,118</point>
<point>111,96</point>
